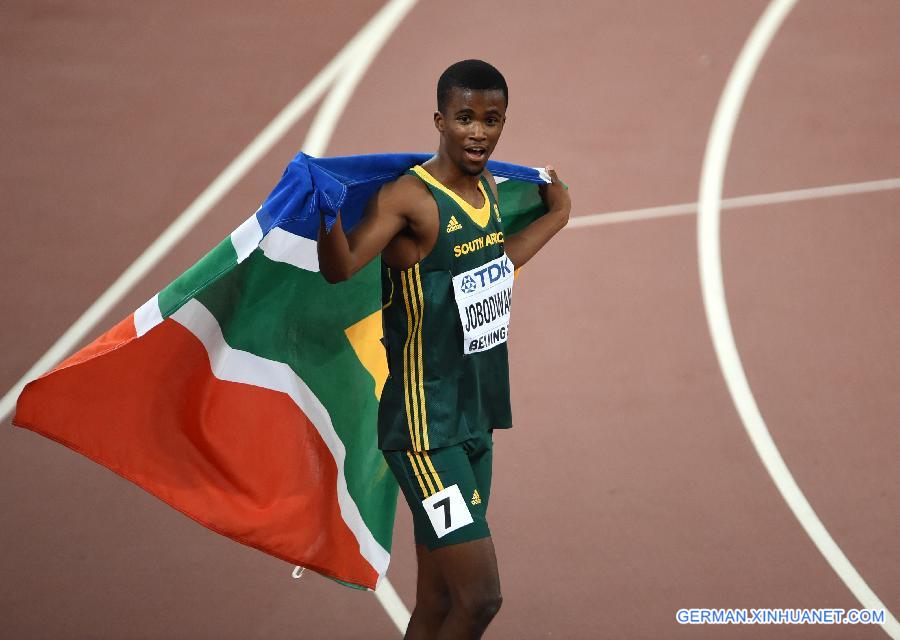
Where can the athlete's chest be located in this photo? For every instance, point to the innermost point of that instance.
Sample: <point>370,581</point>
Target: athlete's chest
<point>466,240</point>
<point>443,235</point>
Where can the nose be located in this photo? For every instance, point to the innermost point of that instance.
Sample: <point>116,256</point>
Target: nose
<point>477,132</point>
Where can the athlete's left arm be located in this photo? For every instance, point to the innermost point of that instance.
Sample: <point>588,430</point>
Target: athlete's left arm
<point>522,246</point>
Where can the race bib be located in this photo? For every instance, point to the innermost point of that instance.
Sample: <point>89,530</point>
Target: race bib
<point>484,297</point>
<point>447,511</point>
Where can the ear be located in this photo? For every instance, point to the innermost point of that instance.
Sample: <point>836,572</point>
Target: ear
<point>439,121</point>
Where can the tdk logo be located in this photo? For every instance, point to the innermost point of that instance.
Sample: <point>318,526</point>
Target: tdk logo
<point>468,285</point>
<point>491,273</point>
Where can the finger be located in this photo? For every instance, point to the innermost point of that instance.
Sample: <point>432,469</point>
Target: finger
<point>552,173</point>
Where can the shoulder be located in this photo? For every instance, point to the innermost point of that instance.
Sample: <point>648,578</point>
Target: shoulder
<point>406,197</point>
<point>406,187</point>
<point>406,192</point>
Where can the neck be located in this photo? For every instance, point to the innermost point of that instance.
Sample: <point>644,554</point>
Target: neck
<point>447,172</point>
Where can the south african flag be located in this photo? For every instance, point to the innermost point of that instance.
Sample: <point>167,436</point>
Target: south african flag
<point>245,393</point>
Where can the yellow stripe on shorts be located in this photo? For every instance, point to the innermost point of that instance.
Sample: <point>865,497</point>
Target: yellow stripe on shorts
<point>418,476</point>
<point>419,470</point>
<point>437,478</point>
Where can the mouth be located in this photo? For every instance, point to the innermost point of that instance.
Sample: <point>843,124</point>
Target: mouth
<point>475,153</point>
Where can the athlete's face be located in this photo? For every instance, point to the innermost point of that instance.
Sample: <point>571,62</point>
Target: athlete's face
<point>471,127</point>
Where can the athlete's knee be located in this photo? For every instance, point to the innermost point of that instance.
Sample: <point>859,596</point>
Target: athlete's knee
<point>481,604</point>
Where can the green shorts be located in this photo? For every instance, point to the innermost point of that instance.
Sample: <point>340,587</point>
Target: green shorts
<point>447,490</point>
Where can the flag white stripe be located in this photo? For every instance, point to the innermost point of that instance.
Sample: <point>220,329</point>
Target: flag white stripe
<point>244,367</point>
<point>147,316</point>
<point>283,246</point>
<point>246,237</point>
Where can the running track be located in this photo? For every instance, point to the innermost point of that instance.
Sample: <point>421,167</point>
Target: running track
<point>629,487</point>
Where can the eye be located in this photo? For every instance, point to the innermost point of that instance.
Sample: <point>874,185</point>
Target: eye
<point>464,119</point>
<point>492,121</point>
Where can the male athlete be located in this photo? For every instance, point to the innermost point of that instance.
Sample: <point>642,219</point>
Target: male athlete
<point>439,231</point>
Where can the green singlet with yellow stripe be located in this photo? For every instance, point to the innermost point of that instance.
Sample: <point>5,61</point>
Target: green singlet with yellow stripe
<point>435,396</point>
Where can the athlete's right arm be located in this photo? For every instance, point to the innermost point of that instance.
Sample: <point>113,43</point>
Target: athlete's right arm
<point>343,254</point>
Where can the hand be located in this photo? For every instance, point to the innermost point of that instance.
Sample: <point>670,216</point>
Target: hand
<point>556,195</point>
<point>523,245</point>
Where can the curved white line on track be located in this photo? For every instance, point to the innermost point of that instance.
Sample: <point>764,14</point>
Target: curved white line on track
<point>342,74</point>
<point>708,241</point>
<point>361,55</point>
<point>373,31</point>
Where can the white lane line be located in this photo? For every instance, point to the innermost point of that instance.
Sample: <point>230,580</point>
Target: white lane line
<point>316,143</point>
<point>712,285</point>
<point>740,202</point>
<point>332,108</point>
<point>208,198</point>
<point>392,603</point>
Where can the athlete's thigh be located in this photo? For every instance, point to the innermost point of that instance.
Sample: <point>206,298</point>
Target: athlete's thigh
<point>469,569</point>
<point>431,588</point>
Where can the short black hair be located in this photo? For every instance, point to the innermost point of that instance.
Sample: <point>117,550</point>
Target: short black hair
<point>477,75</point>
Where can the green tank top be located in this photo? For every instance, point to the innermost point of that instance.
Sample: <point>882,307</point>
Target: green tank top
<point>436,394</point>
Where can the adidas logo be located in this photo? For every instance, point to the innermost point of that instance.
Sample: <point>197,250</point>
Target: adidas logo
<point>453,225</point>
<point>497,212</point>
<point>476,499</point>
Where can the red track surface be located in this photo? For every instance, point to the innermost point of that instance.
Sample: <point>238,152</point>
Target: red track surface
<point>628,488</point>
